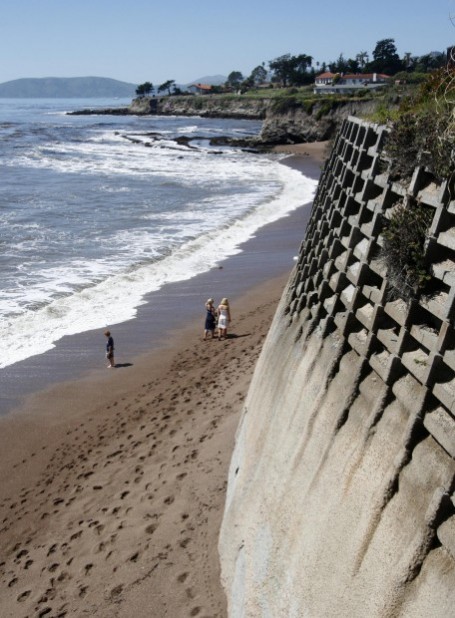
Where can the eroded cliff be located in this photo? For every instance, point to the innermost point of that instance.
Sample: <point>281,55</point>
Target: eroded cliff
<point>284,121</point>
<point>341,489</point>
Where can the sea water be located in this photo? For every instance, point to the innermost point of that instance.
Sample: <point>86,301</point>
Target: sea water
<point>97,211</point>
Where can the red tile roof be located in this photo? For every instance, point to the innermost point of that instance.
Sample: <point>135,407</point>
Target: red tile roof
<point>202,86</point>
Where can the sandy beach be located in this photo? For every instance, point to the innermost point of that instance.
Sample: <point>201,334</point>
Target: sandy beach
<point>113,482</point>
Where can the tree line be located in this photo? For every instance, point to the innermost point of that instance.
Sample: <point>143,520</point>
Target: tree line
<point>168,86</point>
<point>293,71</point>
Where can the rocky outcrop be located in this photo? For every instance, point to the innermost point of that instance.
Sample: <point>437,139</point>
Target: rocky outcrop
<point>285,121</point>
<point>315,123</point>
<point>340,499</point>
<point>205,106</point>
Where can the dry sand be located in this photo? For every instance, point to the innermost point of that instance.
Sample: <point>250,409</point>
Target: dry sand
<point>115,510</point>
<point>113,485</point>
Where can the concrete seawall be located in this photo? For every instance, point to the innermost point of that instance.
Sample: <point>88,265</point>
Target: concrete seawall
<point>341,489</point>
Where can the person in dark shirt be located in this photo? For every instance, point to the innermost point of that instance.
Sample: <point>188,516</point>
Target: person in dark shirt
<point>210,319</point>
<point>110,349</point>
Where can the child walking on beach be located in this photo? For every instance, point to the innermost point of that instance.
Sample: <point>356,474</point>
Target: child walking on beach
<point>110,349</point>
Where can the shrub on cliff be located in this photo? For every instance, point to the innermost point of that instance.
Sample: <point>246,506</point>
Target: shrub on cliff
<point>424,132</point>
<point>403,250</point>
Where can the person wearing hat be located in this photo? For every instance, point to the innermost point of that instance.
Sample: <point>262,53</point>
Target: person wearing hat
<point>210,319</point>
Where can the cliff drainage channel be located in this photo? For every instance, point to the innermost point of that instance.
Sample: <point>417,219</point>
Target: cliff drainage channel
<point>341,491</point>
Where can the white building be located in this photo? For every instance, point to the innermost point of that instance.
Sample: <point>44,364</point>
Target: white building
<point>337,83</point>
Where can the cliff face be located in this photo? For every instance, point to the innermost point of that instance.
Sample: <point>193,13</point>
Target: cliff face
<point>293,125</point>
<point>341,489</point>
<point>207,106</point>
<point>318,124</point>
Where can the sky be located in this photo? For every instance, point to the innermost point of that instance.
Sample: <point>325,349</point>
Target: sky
<point>156,40</point>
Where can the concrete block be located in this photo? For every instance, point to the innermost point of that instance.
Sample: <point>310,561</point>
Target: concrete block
<point>446,535</point>
<point>386,365</point>
<point>441,425</point>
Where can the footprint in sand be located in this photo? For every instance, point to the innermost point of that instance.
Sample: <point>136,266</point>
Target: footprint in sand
<point>116,592</point>
<point>88,568</point>
<point>21,598</point>
<point>21,554</point>
<point>185,543</point>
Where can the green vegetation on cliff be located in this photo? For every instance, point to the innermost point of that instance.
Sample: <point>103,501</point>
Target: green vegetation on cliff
<point>422,133</point>
<point>423,129</point>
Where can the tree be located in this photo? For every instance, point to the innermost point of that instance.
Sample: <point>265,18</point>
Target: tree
<point>430,62</point>
<point>407,60</point>
<point>340,65</point>
<point>291,70</point>
<point>280,68</point>
<point>235,78</point>
<point>166,86</point>
<point>144,89</point>
<point>300,66</point>
<point>362,59</point>
<point>352,66</point>
<point>385,58</point>
<point>258,75</point>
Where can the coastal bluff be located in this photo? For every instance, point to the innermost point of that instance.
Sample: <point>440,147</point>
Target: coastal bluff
<point>284,121</point>
<point>340,498</point>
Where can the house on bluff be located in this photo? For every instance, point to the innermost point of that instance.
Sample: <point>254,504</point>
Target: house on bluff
<point>200,88</point>
<point>347,83</point>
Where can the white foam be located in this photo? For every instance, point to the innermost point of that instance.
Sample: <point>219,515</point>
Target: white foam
<point>116,298</point>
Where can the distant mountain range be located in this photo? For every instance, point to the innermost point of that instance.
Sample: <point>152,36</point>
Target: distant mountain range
<point>81,87</point>
<point>213,80</point>
<point>66,87</point>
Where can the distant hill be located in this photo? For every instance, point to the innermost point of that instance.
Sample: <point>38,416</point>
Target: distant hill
<point>213,80</point>
<point>66,87</point>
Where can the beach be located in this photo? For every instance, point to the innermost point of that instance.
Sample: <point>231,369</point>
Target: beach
<point>113,482</point>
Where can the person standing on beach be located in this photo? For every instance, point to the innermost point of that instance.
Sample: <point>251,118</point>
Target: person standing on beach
<point>224,318</point>
<point>110,349</point>
<point>210,319</point>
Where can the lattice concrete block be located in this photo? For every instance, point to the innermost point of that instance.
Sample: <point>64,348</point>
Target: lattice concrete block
<point>441,425</point>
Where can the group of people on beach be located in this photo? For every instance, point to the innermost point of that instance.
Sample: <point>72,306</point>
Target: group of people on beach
<point>218,318</point>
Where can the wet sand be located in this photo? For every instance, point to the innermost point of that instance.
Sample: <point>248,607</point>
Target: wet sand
<point>265,256</point>
<point>113,481</point>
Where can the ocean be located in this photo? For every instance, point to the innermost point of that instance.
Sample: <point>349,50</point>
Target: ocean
<point>98,211</point>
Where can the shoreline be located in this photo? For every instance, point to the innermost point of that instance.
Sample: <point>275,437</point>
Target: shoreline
<point>118,503</point>
<point>113,483</point>
<point>72,357</point>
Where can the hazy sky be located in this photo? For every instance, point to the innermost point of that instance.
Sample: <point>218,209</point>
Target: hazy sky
<point>156,40</point>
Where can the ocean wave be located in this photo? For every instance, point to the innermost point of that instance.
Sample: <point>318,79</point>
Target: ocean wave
<point>118,295</point>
